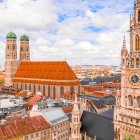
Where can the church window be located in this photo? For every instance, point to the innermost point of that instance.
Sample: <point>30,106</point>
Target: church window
<point>25,86</point>
<point>48,91</point>
<point>130,100</point>
<point>43,90</point>
<point>7,47</point>
<point>138,101</point>
<point>139,16</point>
<point>29,87</point>
<point>71,89</point>
<point>78,89</point>
<point>38,87</point>
<point>54,92</point>
<point>61,91</point>
<point>34,89</point>
<point>137,43</point>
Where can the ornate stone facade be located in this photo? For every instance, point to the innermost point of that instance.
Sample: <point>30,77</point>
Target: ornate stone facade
<point>127,109</point>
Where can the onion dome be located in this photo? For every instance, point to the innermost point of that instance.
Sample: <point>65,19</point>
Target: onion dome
<point>11,35</point>
<point>24,38</point>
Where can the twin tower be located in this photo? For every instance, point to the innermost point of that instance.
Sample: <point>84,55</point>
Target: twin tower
<point>11,61</point>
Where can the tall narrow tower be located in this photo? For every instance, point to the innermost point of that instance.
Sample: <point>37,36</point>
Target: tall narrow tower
<point>76,124</point>
<point>24,48</point>
<point>10,58</point>
<point>127,109</point>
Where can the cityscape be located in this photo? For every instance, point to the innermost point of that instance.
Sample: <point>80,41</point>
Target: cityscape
<point>57,82</point>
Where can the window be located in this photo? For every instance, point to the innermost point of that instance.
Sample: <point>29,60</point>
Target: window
<point>130,100</point>
<point>138,101</point>
<point>139,16</point>
<point>48,91</point>
<point>14,47</point>
<point>137,43</point>
<point>71,89</point>
<point>54,92</point>
<point>137,63</point>
<point>61,91</point>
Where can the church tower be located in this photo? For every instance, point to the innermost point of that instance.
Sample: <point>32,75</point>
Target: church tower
<point>127,109</point>
<point>24,48</point>
<point>10,58</point>
<point>76,124</point>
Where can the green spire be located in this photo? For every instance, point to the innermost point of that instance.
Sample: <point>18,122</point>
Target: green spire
<point>24,38</point>
<point>11,35</point>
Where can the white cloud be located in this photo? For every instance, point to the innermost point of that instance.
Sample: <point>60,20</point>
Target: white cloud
<point>53,40</point>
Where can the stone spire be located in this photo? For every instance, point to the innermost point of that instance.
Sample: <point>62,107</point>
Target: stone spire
<point>76,124</point>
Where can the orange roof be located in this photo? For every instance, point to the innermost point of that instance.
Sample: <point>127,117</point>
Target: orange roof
<point>17,126</point>
<point>67,109</point>
<point>33,100</point>
<point>52,73</point>
<point>99,94</point>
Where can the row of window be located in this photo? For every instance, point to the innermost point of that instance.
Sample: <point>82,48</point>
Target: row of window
<point>131,101</point>
<point>43,89</point>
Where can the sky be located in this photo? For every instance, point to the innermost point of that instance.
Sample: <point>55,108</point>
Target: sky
<point>83,32</point>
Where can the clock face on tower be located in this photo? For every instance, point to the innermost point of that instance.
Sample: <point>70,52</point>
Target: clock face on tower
<point>134,79</point>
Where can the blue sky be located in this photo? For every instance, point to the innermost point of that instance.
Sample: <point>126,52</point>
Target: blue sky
<point>81,31</point>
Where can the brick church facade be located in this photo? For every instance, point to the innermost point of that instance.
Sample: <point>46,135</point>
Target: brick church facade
<point>51,78</point>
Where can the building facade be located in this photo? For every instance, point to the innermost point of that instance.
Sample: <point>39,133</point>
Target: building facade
<point>127,109</point>
<point>52,79</point>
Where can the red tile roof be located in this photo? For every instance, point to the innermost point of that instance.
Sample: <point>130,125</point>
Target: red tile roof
<point>17,126</point>
<point>52,73</point>
<point>67,109</point>
<point>33,100</point>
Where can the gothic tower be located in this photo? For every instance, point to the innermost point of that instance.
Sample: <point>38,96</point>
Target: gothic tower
<point>10,58</point>
<point>24,48</point>
<point>127,109</point>
<point>76,124</point>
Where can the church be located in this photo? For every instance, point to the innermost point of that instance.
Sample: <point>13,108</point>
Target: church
<point>50,78</point>
<point>127,109</point>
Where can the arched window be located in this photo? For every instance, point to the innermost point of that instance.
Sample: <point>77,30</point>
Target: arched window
<point>43,90</point>
<point>130,100</point>
<point>137,43</point>
<point>25,86</point>
<point>137,63</point>
<point>13,47</point>
<point>132,62</point>
<point>38,87</point>
<point>138,101</point>
<point>79,89</point>
<point>48,91</point>
<point>29,86</point>
<point>71,89</point>
<point>34,89</point>
<point>127,62</point>
<point>139,16</point>
<point>54,92</point>
<point>61,91</point>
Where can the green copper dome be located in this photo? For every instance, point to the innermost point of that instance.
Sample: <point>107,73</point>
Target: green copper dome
<point>24,38</point>
<point>11,35</point>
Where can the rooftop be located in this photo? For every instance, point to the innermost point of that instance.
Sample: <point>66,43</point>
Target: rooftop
<point>54,115</point>
<point>51,72</point>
